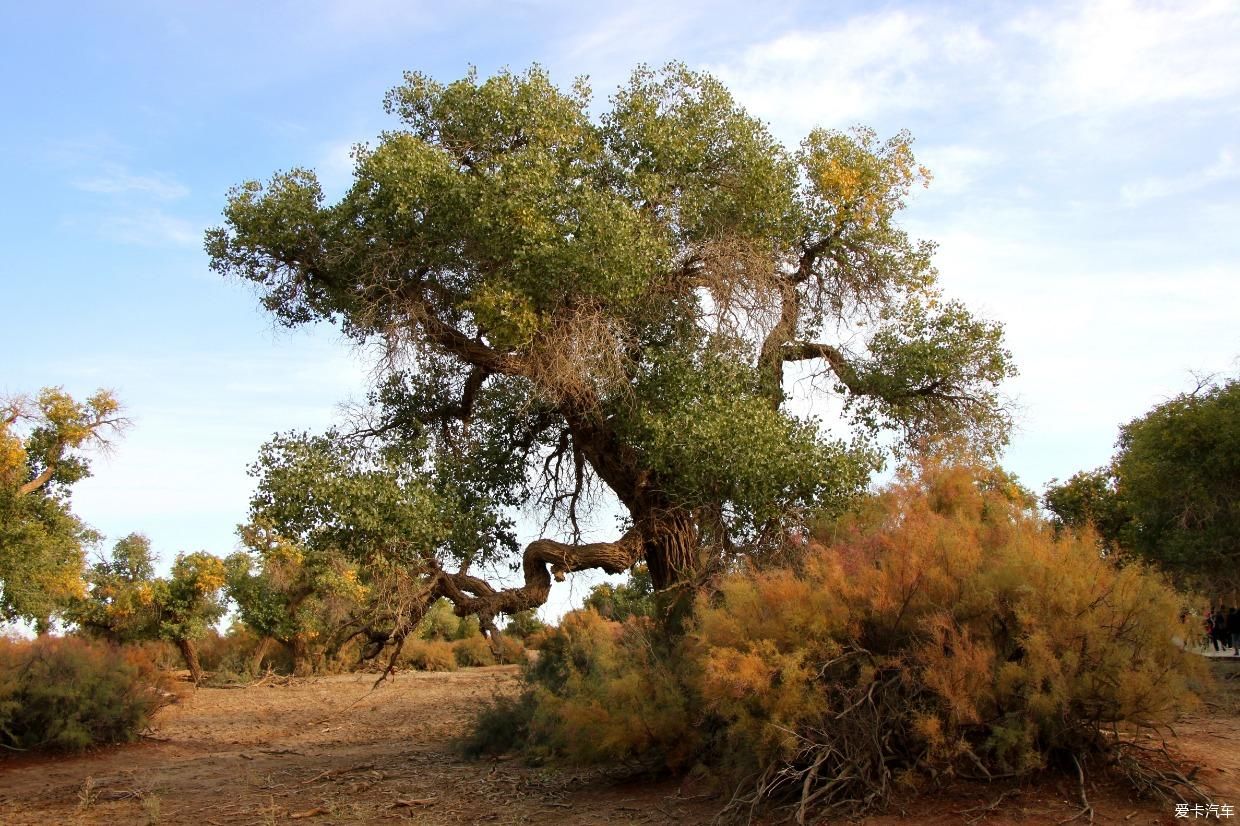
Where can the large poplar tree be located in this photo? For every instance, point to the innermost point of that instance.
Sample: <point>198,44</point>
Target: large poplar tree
<point>572,304</point>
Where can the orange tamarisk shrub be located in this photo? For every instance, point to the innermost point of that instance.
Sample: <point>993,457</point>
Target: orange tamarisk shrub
<point>941,630</point>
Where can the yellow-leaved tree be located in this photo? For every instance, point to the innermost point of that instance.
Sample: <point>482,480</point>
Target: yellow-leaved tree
<point>43,444</point>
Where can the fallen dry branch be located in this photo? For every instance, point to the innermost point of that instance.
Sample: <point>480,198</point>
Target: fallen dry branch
<point>315,812</point>
<point>331,773</point>
<point>980,812</point>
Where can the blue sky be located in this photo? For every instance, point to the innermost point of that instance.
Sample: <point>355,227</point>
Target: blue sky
<point>1087,194</point>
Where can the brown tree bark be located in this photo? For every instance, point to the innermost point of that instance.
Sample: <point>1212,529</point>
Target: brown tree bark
<point>260,651</point>
<point>189,652</point>
<point>301,656</point>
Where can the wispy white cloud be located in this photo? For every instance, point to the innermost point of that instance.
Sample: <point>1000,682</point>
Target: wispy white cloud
<point>149,227</point>
<point>1098,59</point>
<point>890,60</point>
<point>1113,55</point>
<point>956,167</point>
<point>1155,188</point>
<point>117,180</point>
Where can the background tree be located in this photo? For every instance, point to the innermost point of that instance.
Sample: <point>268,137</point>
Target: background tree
<point>1172,492</point>
<point>190,601</point>
<point>126,602</point>
<point>573,306</point>
<point>119,604</point>
<point>287,595</point>
<point>1089,499</point>
<point>634,598</point>
<point>343,540</point>
<point>42,543</point>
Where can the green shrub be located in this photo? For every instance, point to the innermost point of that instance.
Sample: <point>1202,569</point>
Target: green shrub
<point>599,691</point>
<point>428,655</point>
<point>68,694</point>
<point>473,651</point>
<point>501,727</point>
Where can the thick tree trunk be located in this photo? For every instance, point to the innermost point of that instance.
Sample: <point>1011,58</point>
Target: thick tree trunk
<point>671,549</point>
<point>190,652</point>
<point>256,659</point>
<point>301,656</point>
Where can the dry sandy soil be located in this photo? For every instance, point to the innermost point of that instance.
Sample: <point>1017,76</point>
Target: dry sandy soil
<point>333,751</point>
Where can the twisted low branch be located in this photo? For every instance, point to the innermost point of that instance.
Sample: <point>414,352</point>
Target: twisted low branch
<point>543,559</point>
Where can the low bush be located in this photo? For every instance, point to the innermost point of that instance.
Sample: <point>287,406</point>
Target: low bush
<point>943,630</point>
<point>163,654</point>
<point>428,655</point>
<point>511,651</point>
<point>69,693</point>
<point>232,652</point>
<point>536,639</point>
<point>473,651</point>
<point>501,727</point>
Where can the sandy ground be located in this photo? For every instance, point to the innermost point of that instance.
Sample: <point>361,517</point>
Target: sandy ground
<point>333,751</point>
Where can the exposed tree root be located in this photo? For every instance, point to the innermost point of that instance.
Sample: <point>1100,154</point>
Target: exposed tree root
<point>1086,809</point>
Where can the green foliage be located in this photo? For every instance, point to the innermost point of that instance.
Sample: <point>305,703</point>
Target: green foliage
<point>709,430</point>
<point>126,602</point>
<point>439,622</point>
<point>1088,500</point>
<point>68,694</point>
<point>192,599</point>
<point>42,544</point>
<point>1178,475</point>
<point>634,598</point>
<point>339,540</point>
<point>1172,493</point>
<point>42,551</point>
<point>611,300</point>
<point>120,604</point>
<point>524,623</point>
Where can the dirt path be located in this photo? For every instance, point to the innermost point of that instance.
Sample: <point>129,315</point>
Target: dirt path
<point>332,751</point>
<point>330,746</point>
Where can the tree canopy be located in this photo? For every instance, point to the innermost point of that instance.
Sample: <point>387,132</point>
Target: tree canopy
<point>126,602</point>
<point>573,306</point>
<point>1172,492</point>
<point>43,444</point>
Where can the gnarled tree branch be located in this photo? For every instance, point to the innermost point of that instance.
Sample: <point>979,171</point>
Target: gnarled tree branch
<point>543,559</point>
